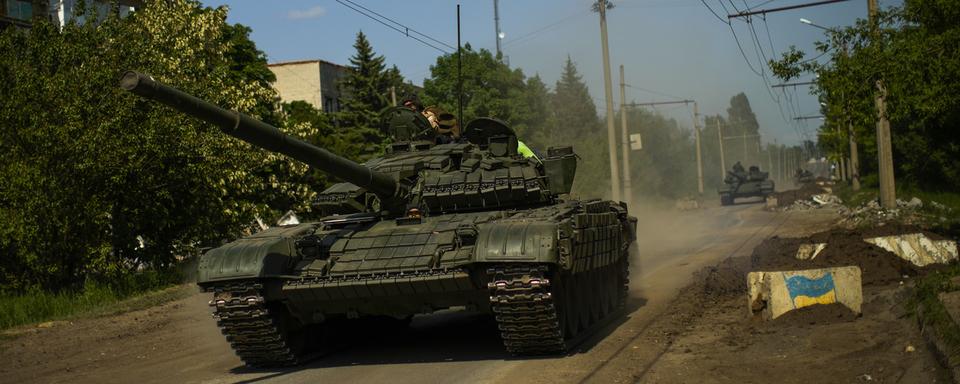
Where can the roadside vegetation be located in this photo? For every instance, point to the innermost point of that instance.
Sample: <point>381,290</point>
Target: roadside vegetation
<point>134,292</point>
<point>933,315</point>
<point>913,52</point>
<point>103,193</point>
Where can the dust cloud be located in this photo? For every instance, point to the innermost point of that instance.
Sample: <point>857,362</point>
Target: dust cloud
<point>667,235</point>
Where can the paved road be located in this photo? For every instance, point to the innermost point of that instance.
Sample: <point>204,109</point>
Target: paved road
<point>465,348</point>
<point>180,342</point>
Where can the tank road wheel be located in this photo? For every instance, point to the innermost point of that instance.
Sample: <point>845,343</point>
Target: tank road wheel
<point>261,334</point>
<point>523,301</point>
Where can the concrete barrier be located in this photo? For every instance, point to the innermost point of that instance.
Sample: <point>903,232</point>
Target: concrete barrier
<point>772,294</point>
<point>810,251</point>
<point>917,248</point>
<point>687,204</point>
<point>772,202</point>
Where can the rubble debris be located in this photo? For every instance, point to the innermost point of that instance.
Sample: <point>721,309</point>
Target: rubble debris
<point>870,214</point>
<point>917,248</point>
<point>787,198</point>
<point>810,251</point>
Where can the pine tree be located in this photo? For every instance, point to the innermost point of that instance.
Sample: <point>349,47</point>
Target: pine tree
<point>577,124</point>
<point>576,114</point>
<point>366,90</point>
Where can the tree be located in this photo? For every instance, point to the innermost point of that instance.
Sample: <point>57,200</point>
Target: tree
<point>366,90</point>
<point>490,87</point>
<point>99,183</point>
<point>915,51</point>
<point>576,113</point>
<point>743,131</point>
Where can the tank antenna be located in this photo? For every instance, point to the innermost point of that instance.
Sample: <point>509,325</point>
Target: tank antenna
<point>459,75</point>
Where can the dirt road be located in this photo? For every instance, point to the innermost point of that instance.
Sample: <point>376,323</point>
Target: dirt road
<point>178,341</point>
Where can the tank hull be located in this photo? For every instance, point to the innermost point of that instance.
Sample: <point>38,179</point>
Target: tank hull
<point>546,274</point>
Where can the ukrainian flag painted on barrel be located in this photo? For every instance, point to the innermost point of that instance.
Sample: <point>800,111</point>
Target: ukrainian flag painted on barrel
<point>805,291</point>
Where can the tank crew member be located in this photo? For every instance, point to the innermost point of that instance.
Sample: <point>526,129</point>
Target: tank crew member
<point>444,124</point>
<point>527,153</point>
<point>738,168</point>
<point>412,101</point>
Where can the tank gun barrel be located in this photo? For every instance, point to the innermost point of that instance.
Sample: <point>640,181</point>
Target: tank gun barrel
<point>261,134</point>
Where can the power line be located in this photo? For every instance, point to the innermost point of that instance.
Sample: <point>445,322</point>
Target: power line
<point>406,30</point>
<point>787,8</point>
<point>652,91</point>
<point>714,12</point>
<point>400,25</point>
<point>755,6</point>
<point>655,103</point>
<point>543,29</point>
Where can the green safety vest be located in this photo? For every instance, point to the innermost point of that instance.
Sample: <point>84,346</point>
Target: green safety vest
<point>526,151</point>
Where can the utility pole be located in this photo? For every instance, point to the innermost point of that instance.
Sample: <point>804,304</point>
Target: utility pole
<point>393,95</point>
<point>601,7</point>
<point>843,166</point>
<point>723,164</point>
<point>854,156</point>
<point>888,197</point>
<point>496,23</point>
<point>625,139</point>
<point>854,159</point>
<point>696,129</point>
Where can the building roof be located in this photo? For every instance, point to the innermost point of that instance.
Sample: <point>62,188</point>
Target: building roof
<point>305,62</point>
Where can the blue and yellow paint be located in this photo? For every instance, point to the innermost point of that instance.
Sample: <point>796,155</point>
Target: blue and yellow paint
<point>805,291</point>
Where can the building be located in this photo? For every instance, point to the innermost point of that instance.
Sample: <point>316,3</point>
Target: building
<point>22,13</point>
<point>313,81</point>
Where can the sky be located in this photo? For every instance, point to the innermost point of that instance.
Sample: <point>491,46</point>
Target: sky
<point>670,49</point>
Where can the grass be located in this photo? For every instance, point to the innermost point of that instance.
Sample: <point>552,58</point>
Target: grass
<point>853,199</point>
<point>934,316</point>
<point>95,299</point>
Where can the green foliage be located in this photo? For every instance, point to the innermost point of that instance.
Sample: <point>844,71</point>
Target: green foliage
<point>37,306</point>
<point>933,315</point>
<point>666,166</point>
<point>366,90</point>
<point>914,51</point>
<point>343,140</point>
<point>99,183</point>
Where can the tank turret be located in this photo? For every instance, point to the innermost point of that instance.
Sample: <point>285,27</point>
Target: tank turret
<point>471,223</point>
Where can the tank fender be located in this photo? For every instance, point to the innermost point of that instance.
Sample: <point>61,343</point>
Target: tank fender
<point>270,253</point>
<point>517,241</point>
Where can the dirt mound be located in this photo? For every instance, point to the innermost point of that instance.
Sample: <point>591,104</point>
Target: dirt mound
<point>816,314</point>
<point>787,198</point>
<point>844,248</point>
<point>728,277</point>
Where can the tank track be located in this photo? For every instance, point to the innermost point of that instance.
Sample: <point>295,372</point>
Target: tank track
<point>529,316</point>
<point>523,306</point>
<point>257,334</point>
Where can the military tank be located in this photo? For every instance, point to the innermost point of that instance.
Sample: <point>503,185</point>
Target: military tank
<point>425,227</point>
<point>739,183</point>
